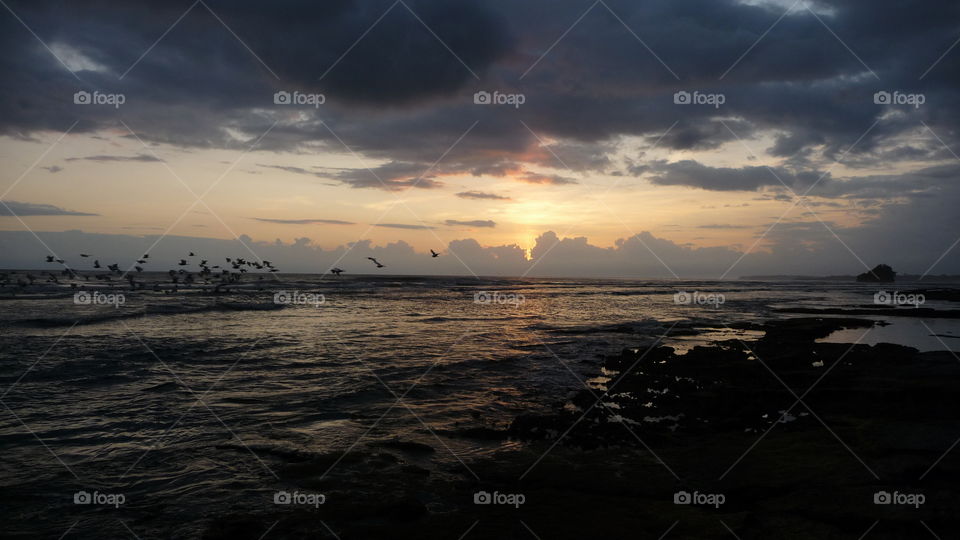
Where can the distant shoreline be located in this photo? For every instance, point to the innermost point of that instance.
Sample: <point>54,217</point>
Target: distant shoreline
<point>906,278</point>
<point>900,278</point>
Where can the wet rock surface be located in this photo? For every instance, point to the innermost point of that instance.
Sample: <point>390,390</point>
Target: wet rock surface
<point>797,436</point>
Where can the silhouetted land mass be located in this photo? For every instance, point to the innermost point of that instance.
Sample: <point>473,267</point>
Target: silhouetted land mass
<point>941,278</point>
<point>881,273</point>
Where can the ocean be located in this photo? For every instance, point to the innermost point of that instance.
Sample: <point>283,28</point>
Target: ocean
<point>188,402</point>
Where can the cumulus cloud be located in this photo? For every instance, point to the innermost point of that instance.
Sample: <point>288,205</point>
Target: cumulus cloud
<point>797,247</point>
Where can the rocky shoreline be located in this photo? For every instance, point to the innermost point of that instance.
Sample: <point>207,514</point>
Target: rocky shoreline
<point>797,438</point>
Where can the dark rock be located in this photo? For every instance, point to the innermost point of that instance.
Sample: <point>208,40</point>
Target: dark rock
<point>881,273</point>
<point>405,446</point>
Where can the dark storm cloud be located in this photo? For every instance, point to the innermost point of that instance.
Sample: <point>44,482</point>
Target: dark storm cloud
<point>475,223</point>
<point>391,176</point>
<point>289,169</point>
<point>305,221</point>
<point>552,179</point>
<point>404,226</point>
<point>694,174</point>
<point>401,94</point>
<point>200,79</point>
<point>482,195</point>
<point>702,135</point>
<point>141,158</point>
<point>12,208</point>
<point>929,181</point>
<point>721,226</point>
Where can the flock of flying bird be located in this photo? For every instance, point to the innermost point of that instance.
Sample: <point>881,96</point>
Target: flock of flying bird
<point>206,272</point>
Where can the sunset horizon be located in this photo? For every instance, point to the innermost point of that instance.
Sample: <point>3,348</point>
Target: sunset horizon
<point>534,269</point>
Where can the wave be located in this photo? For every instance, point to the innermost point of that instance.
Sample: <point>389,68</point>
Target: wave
<point>155,310</point>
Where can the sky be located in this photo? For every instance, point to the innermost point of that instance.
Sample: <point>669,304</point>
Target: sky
<point>608,138</point>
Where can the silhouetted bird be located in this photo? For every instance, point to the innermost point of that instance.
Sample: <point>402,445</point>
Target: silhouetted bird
<point>96,263</point>
<point>49,258</point>
<point>434,253</point>
<point>376,262</point>
<point>183,262</point>
<point>336,271</point>
<point>84,255</point>
<point>191,254</point>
